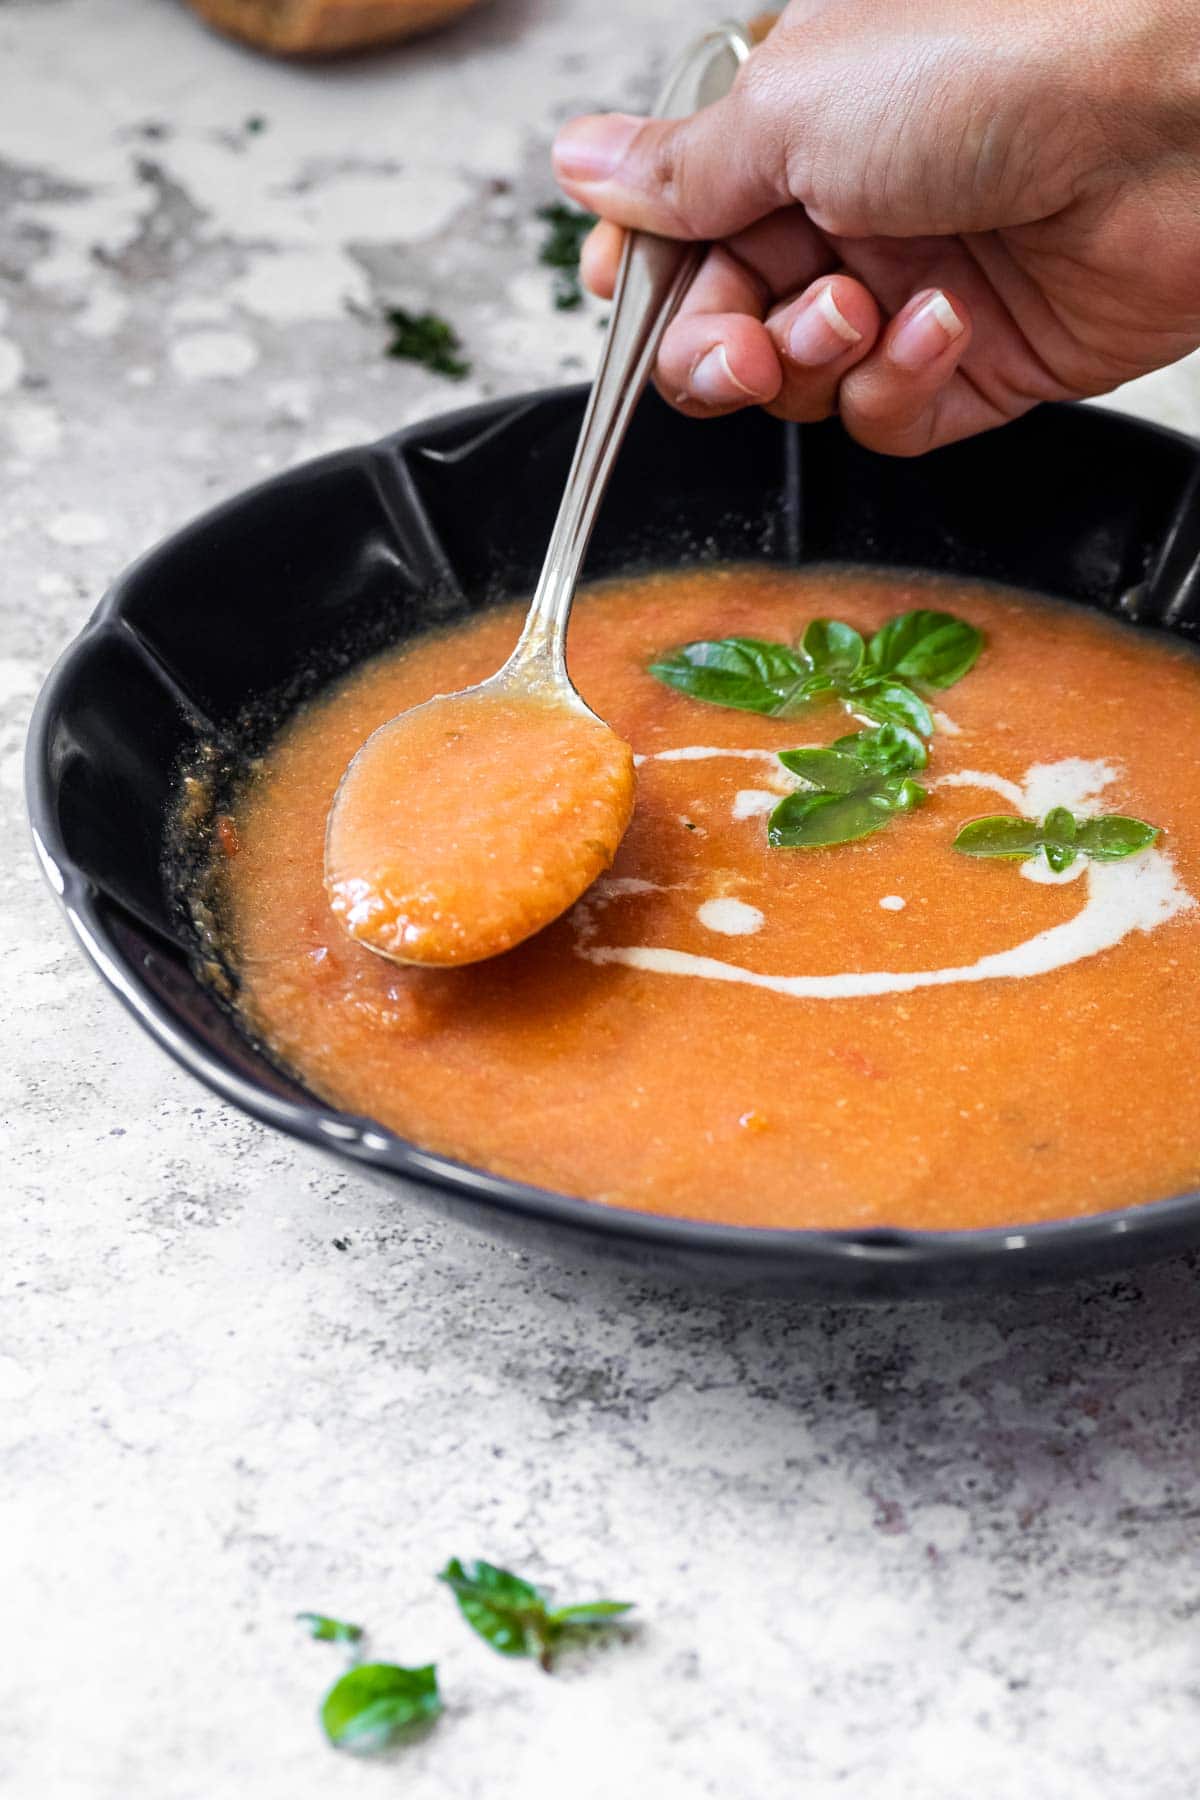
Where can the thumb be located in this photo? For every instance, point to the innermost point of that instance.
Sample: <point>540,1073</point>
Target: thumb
<point>706,176</point>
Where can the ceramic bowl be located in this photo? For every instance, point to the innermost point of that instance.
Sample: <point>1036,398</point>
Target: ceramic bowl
<point>281,587</point>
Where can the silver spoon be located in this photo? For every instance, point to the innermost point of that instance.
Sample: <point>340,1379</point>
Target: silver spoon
<point>392,876</point>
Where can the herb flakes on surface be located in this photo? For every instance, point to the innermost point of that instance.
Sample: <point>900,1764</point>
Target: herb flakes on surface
<point>566,228</point>
<point>426,339</point>
<point>330,1631</point>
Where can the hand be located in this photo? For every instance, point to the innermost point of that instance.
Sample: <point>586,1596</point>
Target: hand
<point>925,215</point>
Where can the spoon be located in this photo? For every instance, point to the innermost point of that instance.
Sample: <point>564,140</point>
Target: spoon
<point>468,823</point>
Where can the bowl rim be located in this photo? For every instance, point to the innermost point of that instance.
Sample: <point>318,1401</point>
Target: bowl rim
<point>362,1141</point>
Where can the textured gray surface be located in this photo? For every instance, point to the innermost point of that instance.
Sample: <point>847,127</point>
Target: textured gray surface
<point>901,1553</point>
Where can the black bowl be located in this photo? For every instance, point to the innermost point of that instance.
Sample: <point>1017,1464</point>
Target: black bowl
<point>290,581</point>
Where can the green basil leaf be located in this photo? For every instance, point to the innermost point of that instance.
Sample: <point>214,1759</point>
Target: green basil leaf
<point>807,821</point>
<point>330,1631</point>
<point>891,702</point>
<point>590,1612</point>
<point>375,1703</point>
<point>999,835</point>
<point>891,748</point>
<point>506,1612</point>
<point>1060,837</point>
<point>904,795</point>
<point>1058,826</point>
<point>833,770</point>
<point>932,648</point>
<point>833,649</point>
<point>745,673</point>
<point>1109,839</point>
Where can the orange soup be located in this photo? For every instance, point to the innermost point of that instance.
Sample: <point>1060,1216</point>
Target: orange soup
<point>876,1030</point>
<point>463,827</point>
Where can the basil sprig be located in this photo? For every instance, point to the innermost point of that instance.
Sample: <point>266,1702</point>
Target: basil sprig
<point>330,1631</point>
<point>376,1703</point>
<point>873,678</point>
<point>1059,838</point>
<point>515,1617</point>
<point>851,789</point>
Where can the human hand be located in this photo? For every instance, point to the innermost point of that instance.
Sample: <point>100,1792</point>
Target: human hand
<point>926,217</point>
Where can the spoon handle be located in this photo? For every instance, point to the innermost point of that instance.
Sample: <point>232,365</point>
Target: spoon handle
<point>653,278</point>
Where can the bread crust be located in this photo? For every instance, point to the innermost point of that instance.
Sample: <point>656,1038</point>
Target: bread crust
<point>324,27</point>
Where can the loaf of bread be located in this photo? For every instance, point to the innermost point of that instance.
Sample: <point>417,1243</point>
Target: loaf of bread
<point>323,27</point>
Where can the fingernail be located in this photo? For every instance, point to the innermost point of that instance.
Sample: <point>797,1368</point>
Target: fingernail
<point>821,332</point>
<point>923,337</point>
<point>713,381</point>
<point>591,148</point>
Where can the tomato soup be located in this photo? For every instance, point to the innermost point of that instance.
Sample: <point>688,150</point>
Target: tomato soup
<point>879,1031</point>
<point>463,827</point>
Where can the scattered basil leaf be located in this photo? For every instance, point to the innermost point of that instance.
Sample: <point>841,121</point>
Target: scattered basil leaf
<point>330,1631</point>
<point>833,650</point>
<point>932,648</point>
<point>505,1611</point>
<point>591,1612</point>
<point>566,228</point>
<point>426,339</point>
<point>1060,837</point>
<point>744,673</point>
<point>375,1703</point>
<point>854,787</point>
<point>515,1617</point>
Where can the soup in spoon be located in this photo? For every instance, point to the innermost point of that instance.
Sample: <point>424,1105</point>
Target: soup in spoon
<point>467,824</point>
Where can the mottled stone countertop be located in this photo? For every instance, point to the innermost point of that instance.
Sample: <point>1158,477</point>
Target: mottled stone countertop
<point>896,1553</point>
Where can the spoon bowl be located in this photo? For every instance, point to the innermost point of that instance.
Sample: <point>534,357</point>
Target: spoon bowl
<point>531,796</point>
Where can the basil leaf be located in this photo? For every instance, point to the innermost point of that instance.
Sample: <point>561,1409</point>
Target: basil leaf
<point>999,835</point>
<point>889,747</point>
<point>1109,839</point>
<point>375,1703</point>
<point>809,821</point>
<point>833,649</point>
<point>933,648</point>
<point>745,673</point>
<point>1060,837</point>
<point>330,1631</point>
<point>591,1612</point>
<point>891,701</point>
<point>835,771</point>
<point>506,1612</point>
<point>513,1616</point>
<point>1058,827</point>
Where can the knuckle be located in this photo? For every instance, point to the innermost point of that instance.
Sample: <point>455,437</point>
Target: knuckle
<point>667,175</point>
